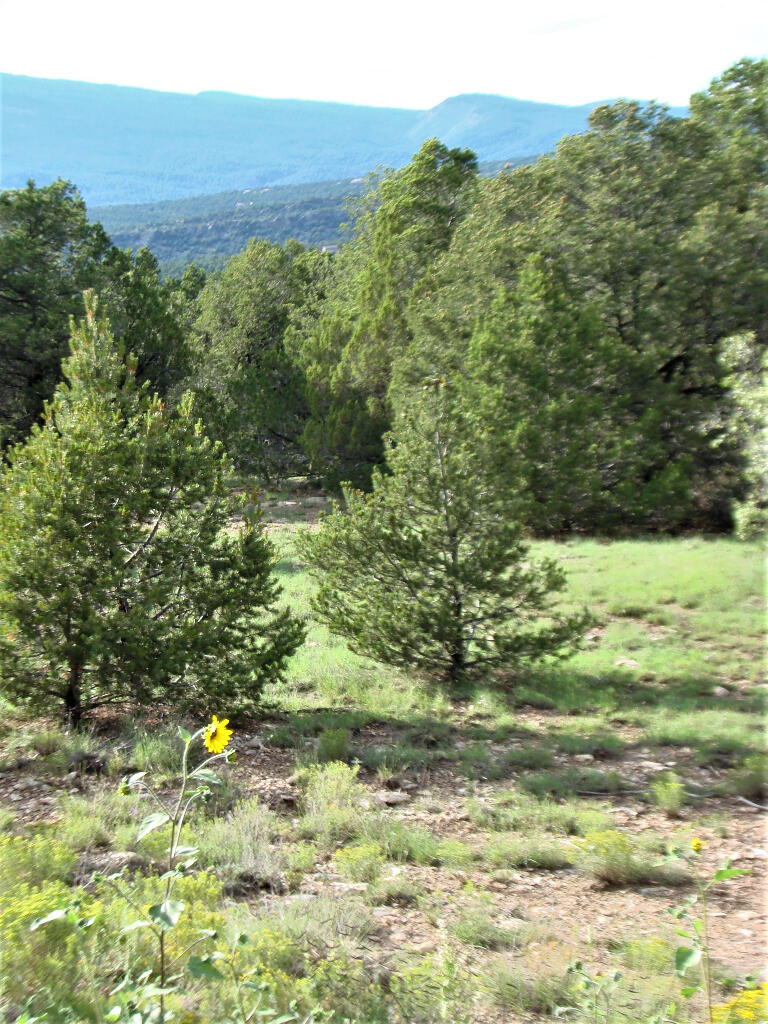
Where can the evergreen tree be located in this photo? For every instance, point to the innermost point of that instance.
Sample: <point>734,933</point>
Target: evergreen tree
<point>348,355</point>
<point>250,386</point>
<point>430,570</point>
<point>120,578</point>
<point>49,255</point>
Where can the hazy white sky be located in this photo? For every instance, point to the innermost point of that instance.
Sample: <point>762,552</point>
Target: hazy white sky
<point>404,53</point>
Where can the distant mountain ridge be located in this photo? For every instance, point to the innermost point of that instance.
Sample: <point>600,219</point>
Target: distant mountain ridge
<point>126,145</point>
<point>209,229</point>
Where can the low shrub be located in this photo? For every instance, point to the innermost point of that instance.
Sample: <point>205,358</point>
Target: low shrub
<point>528,989</point>
<point>614,858</point>
<point>570,781</point>
<point>333,745</point>
<point>240,846</point>
<point>399,842</point>
<point>668,793</point>
<point>34,862</point>
<point>432,988</point>
<point>522,812</point>
<point>476,927</point>
<point>41,965</point>
<point>332,804</point>
<point>396,890</point>
<point>361,862</point>
<point>750,1006</point>
<point>534,852</point>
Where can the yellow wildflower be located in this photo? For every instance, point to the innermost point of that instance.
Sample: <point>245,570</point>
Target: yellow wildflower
<point>697,845</point>
<point>217,735</point>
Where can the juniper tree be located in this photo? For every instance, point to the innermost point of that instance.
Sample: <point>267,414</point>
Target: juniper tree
<point>431,570</point>
<point>120,577</point>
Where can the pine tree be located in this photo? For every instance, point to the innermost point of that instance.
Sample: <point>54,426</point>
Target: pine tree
<point>119,576</point>
<point>430,570</point>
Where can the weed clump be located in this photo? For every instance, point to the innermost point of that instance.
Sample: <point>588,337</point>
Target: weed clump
<point>361,862</point>
<point>668,793</point>
<point>534,853</point>
<point>332,804</point>
<point>613,858</point>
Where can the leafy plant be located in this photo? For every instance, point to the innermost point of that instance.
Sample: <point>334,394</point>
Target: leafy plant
<point>698,952</point>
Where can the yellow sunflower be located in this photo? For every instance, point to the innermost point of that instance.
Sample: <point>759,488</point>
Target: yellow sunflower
<point>697,845</point>
<point>217,735</point>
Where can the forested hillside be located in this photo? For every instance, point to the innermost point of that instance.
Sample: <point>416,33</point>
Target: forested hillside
<point>124,145</point>
<point>207,230</point>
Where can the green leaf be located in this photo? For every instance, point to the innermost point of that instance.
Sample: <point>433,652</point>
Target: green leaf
<point>725,873</point>
<point>201,967</point>
<point>166,914</point>
<point>152,821</point>
<point>685,958</point>
<point>689,991</point>
<point>186,736</point>
<point>55,915</point>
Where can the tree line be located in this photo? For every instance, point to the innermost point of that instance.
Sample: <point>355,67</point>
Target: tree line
<point>588,296</point>
<point>576,345</point>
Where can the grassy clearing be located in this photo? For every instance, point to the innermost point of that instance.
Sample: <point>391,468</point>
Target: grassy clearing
<point>532,830</point>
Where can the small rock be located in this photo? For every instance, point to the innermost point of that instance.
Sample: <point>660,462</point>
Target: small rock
<point>626,663</point>
<point>583,758</point>
<point>426,946</point>
<point>385,798</point>
<point>720,691</point>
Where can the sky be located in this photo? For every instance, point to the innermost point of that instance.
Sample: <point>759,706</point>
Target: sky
<point>400,53</point>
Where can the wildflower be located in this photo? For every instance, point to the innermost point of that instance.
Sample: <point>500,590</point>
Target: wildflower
<point>217,735</point>
<point>697,845</point>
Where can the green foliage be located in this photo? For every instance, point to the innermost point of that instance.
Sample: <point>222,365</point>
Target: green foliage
<point>521,812</point>
<point>475,926</point>
<point>332,804</point>
<point>118,578</point>
<point>400,842</point>
<point>33,862</point>
<point>614,858</point>
<point>102,820</point>
<point>348,353</point>
<point>524,988</point>
<point>49,255</point>
<point>361,862</point>
<point>532,852</point>
<point>605,279</point>
<point>38,965</point>
<point>747,426</point>
<point>333,745</point>
<point>396,891</point>
<point>239,847</point>
<point>429,571</point>
<point>250,388</point>
<point>668,793</point>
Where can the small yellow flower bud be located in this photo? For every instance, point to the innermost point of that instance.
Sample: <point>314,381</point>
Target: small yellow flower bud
<point>697,845</point>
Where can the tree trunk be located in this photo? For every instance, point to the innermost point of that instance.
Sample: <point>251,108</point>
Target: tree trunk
<point>72,695</point>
